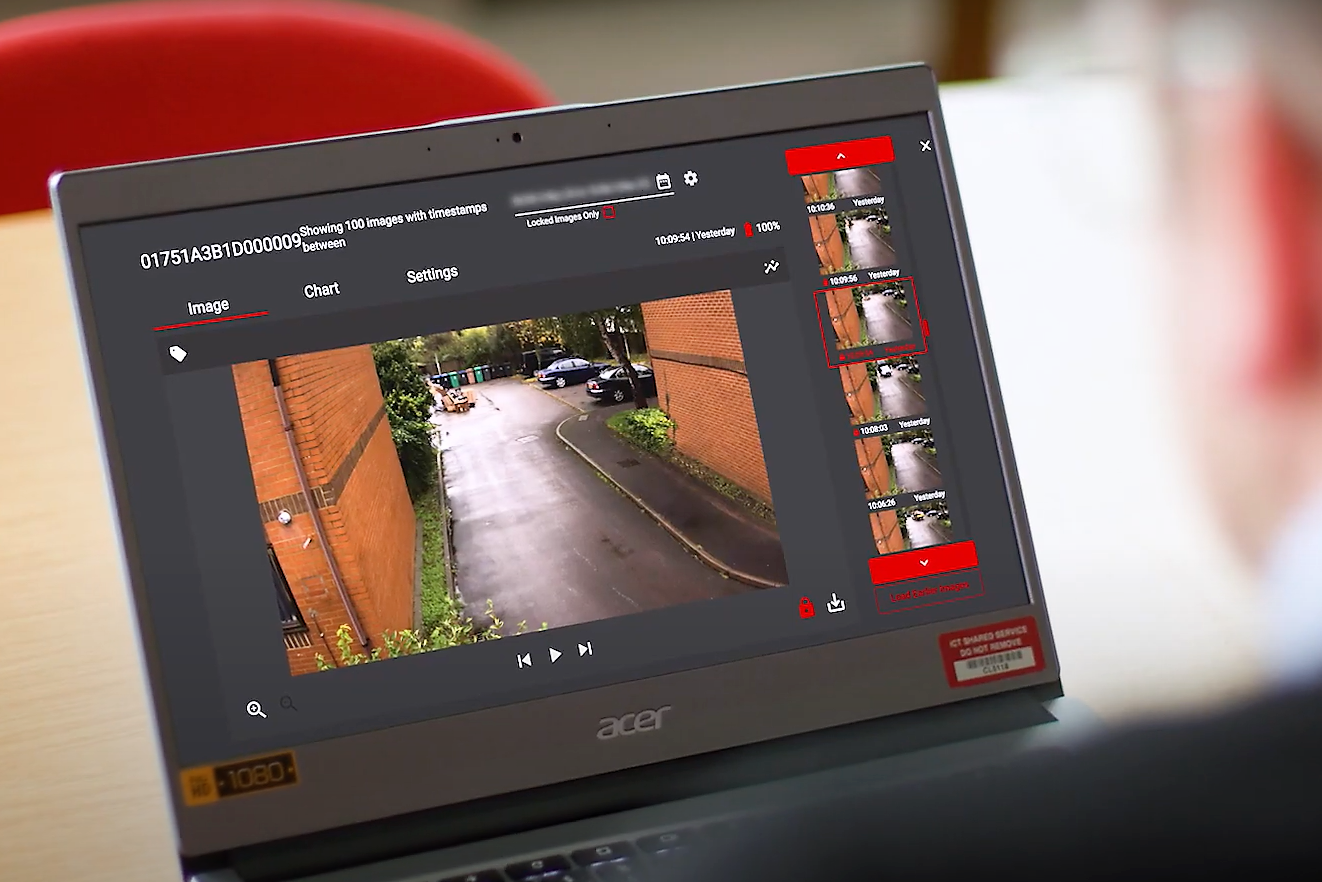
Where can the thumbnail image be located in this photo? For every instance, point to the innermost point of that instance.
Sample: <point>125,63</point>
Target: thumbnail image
<point>465,482</point>
<point>904,462</point>
<point>924,525</point>
<point>886,533</point>
<point>848,182</point>
<point>857,239</point>
<point>883,390</point>
<point>870,314</point>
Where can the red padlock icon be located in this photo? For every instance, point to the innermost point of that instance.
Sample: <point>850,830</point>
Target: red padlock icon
<point>806,609</point>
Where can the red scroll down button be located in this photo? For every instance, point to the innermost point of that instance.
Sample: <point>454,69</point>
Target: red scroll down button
<point>841,154</point>
<point>923,562</point>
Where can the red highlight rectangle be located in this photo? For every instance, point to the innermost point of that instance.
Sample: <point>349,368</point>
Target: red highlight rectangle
<point>992,652</point>
<point>841,154</point>
<point>879,352</point>
<point>923,562</point>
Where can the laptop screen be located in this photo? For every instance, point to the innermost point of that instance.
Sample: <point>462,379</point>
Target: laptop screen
<point>412,451</point>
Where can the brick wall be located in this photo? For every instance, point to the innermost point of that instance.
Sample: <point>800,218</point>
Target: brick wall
<point>886,532</point>
<point>873,467</point>
<point>701,382</point>
<point>357,484</point>
<point>826,239</point>
<point>846,323</point>
<point>859,393</point>
<point>817,188</point>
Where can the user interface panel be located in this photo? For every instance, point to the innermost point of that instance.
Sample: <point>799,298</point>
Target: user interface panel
<point>408,451</point>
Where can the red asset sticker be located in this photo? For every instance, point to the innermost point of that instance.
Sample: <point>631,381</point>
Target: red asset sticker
<point>992,652</point>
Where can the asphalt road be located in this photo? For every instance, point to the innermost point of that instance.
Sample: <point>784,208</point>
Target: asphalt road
<point>858,182</point>
<point>912,471</point>
<point>928,531</point>
<point>898,398</point>
<point>540,533</point>
<point>866,245</point>
<point>883,319</point>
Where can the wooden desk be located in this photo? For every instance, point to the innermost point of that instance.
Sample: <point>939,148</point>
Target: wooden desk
<point>1148,609</point>
<point>81,795</point>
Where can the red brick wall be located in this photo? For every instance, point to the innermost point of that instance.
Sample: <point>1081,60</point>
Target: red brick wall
<point>886,532</point>
<point>873,467</point>
<point>817,188</point>
<point>376,530</point>
<point>846,323</point>
<point>826,239</point>
<point>709,401</point>
<point>859,393</point>
<point>334,399</point>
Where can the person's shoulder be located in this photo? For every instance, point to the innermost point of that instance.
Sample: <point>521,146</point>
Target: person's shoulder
<point>1218,790</point>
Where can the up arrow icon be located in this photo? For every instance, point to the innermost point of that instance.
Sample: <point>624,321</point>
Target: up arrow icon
<point>839,156</point>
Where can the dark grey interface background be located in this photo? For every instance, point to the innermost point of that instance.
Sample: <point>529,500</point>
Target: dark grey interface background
<point>194,515</point>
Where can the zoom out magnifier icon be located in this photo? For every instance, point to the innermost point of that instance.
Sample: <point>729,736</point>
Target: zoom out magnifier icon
<point>287,702</point>
<point>255,709</point>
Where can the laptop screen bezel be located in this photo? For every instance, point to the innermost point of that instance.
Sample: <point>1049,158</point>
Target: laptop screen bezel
<point>381,773</point>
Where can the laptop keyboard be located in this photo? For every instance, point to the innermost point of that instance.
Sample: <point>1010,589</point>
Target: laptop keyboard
<point>624,860</point>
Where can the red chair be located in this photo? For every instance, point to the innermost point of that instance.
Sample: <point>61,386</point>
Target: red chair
<point>136,81</point>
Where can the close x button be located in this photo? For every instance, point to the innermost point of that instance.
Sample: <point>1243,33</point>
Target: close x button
<point>923,562</point>
<point>840,154</point>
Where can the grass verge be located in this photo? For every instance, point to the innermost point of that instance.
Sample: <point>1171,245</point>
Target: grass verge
<point>649,430</point>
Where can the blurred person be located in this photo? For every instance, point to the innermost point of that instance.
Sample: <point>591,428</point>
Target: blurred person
<point>1239,791</point>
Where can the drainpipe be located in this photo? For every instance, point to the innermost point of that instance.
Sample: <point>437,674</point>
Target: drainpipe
<point>288,425</point>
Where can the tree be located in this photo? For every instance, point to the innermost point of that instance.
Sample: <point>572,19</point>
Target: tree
<point>408,403</point>
<point>612,324</point>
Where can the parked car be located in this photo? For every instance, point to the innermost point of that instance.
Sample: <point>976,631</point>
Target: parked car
<point>567,371</point>
<point>917,515</point>
<point>613,384</point>
<point>884,370</point>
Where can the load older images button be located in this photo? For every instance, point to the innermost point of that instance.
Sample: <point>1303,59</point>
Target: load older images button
<point>923,562</point>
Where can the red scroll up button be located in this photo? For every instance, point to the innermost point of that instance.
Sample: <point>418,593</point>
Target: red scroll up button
<point>923,562</point>
<point>841,154</point>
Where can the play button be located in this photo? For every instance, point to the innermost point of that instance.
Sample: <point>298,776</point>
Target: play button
<point>555,655</point>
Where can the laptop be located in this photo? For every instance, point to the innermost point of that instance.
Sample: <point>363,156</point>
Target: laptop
<point>535,496</point>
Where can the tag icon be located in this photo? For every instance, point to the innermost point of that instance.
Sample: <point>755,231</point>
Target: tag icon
<point>178,353</point>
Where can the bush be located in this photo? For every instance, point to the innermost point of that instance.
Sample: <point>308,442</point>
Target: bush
<point>649,428</point>
<point>408,408</point>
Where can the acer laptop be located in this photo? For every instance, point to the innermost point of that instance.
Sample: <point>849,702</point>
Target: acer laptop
<point>529,496</point>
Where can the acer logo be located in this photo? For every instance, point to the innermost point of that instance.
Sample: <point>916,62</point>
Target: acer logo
<point>631,724</point>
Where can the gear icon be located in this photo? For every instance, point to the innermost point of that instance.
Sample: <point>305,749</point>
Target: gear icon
<point>691,178</point>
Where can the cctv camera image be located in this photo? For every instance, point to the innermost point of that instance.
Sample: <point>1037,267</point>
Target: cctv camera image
<point>883,390</point>
<point>904,462</point>
<point>925,525</point>
<point>913,526</point>
<point>462,486</point>
<point>867,315</point>
<point>861,183</point>
<point>853,240</point>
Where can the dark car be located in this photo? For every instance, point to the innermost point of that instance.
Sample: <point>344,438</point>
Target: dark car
<point>613,384</point>
<point>567,371</point>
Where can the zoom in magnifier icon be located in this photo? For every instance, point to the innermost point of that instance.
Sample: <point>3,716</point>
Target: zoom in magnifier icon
<point>255,709</point>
